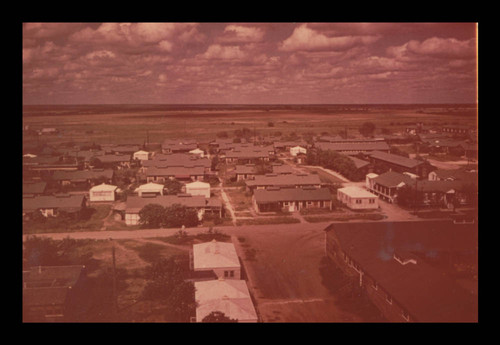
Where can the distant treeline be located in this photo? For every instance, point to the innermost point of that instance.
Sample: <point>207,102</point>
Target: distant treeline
<point>99,109</point>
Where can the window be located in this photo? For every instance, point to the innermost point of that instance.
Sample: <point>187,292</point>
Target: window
<point>358,201</point>
<point>372,201</point>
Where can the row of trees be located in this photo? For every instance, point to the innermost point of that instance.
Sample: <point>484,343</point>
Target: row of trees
<point>156,216</point>
<point>335,161</point>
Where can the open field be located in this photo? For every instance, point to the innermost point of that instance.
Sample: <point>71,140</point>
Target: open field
<point>132,124</point>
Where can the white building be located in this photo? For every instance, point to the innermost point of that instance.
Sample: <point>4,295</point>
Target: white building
<point>219,257</point>
<point>198,188</point>
<point>357,198</point>
<point>149,189</point>
<point>230,297</point>
<point>102,192</point>
<point>197,152</point>
<point>141,155</point>
<point>294,151</point>
<point>369,180</point>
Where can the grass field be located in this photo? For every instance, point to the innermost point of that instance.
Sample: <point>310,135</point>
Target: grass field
<point>134,124</point>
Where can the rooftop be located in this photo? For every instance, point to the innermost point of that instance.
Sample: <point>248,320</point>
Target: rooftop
<point>291,194</point>
<point>284,180</point>
<point>395,159</point>
<point>65,202</point>
<point>214,254</point>
<point>356,192</point>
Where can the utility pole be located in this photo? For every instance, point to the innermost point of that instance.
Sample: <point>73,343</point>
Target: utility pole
<point>115,296</point>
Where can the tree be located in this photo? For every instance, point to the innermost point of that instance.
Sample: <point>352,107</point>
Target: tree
<point>214,163</point>
<point>179,215</point>
<point>367,129</point>
<point>151,215</point>
<point>173,187</point>
<point>218,316</point>
<point>96,162</point>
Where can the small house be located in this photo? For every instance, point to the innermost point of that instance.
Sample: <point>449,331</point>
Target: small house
<point>219,257</point>
<point>291,199</point>
<point>149,189</point>
<point>141,155</point>
<point>102,192</point>
<point>198,188</point>
<point>294,151</point>
<point>357,198</point>
<point>245,172</point>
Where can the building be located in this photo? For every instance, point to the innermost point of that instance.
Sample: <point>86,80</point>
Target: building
<point>230,297</point>
<point>245,172</point>
<point>384,161</point>
<point>102,192</point>
<point>114,161</point>
<point>197,152</point>
<point>291,199</point>
<point>83,178</point>
<point>357,198</point>
<point>34,187</point>
<point>201,204</point>
<point>294,151</point>
<point>219,257</point>
<point>283,181</point>
<point>282,169</point>
<point>402,267</point>
<point>52,205</point>
<point>176,160</point>
<point>178,145</point>
<point>149,189</point>
<point>141,155</point>
<point>354,147</point>
<point>457,129</point>
<point>249,154</point>
<point>198,188</point>
<point>54,293</point>
<point>161,174</point>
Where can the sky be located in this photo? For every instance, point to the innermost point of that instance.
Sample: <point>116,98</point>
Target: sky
<point>249,63</point>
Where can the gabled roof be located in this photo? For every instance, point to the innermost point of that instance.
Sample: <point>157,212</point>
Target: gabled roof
<point>395,159</point>
<point>151,186</point>
<point>284,180</point>
<point>245,169</point>
<point>65,202</point>
<point>230,297</point>
<point>82,174</point>
<point>175,171</point>
<point>214,254</point>
<point>353,146</point>
<point>103,187</point>
<point>356,192</point>
<point>198,184</point>
<point>423,291</point>
<point>34,187</point>
<point>282,169</point>
<point>359,163</point>
<point>136,203</point>
<point>393,179</point>
<point>291,194</point>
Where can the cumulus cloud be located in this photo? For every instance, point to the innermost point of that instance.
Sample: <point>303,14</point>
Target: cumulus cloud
<point>241,34</point>
<point>436,48</point>
<point>217,51</point>
<point>305,38</point>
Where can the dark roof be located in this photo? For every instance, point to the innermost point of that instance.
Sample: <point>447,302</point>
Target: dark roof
<point>425,292</point>
<point>456,174</point>
<point>359,163</point>
<point>34,187</point>
<point>175,171</point>
<point>68,203</point>
<point>115,158</point>
<point>245,169</point>
<point>82,174</point>
<point>282,169</point>
<point>284,180</point>
<point>395,159</point>
<point>249,152</point>
<point>292,194</point>
<point>177,160</point>
<point>353,146</point>
<point>392,179</point>
<point>136,203</point>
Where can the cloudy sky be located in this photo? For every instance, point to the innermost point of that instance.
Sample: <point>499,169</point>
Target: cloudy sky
<point>249,63</point>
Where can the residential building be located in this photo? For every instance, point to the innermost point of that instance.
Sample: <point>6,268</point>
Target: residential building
<point>384,161</point>
<point>245,172</point>
<point>34,187</point>
<point>83,178</point>
<point>354,147</point>
<point>201,204</point>
<point>219,257</point>
<point>149,189</point>
<point>102,192</point>
<point>249,154</point>
<point>114,161</point>
<point>141,155</point>
<point>52,205</point>
<point>294,151</point>
<point>402,267</point>
<point>198,188</point>
<point>291,199</point>
<point>156,174</point>
<point>54,293</point>
<point>283,181</point>
<point>282,169</point>
<point>357,198</point>
<point>231,297</point>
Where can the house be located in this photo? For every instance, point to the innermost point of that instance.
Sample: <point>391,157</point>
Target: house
<point>354,147</point>
<point>291,199</point>
<point>294,151</point>
<point>201,204</point>
<point>198,188</point>
<point>178,145</point>
<point>83,178</point>
<point>452,175</point>
<point>357,198</point>
<point>157,174</point>
<point>384,161</point>
<point>141,155</point>
<point>245,172</point>
<point>176,160</point>
<point>287,145</point>
<point>114,161</point>
<point>282,169</point>
<point>249,154</point>
<point>149,189</point>
<point>362,166</point>
<point>229,296</point>
<point>457,129</point>
<point>102,192</point>
<point>34,187</point>
<point>197,152</point>
<point>386,185</point>
<point>54,293</point>
<point>397,266</point>
<point>219,257</point>
<point>283,181</point>
<point>52,205</point>
<point>122,149</point>
<point>49,164</point>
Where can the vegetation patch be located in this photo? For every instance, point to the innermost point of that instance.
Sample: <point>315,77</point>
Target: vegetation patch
<point>264,221</point>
